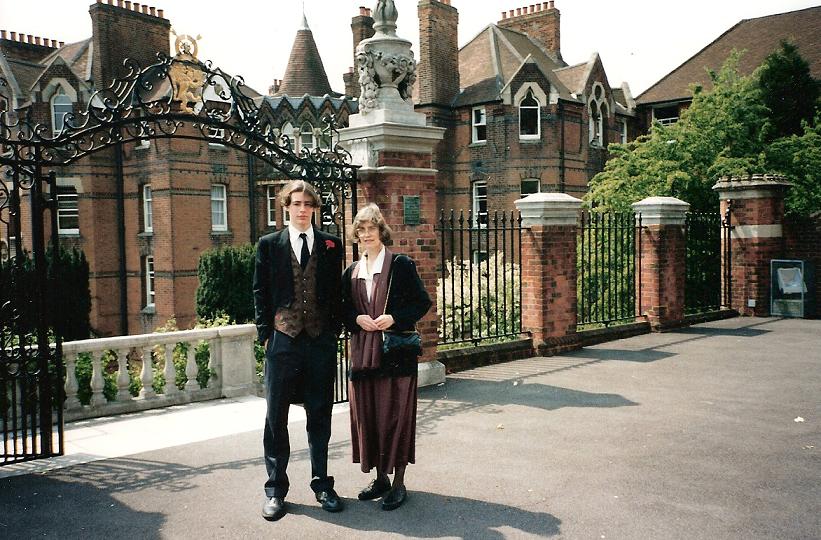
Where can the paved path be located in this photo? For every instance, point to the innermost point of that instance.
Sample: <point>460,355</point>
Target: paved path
<point>690,434</point>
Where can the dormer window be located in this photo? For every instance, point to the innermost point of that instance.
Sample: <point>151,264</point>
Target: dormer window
<point>60,106</point>
<point>529,117</point>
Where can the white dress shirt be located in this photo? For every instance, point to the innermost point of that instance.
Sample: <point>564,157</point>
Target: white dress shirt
<point>296,241</point>
<point>375,269</point>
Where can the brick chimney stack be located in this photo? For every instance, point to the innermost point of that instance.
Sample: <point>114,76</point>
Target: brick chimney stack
<point>125,30</point>
<point>362,28</point>
<point>25,46</point>
<point>539,21</point>
<point>438,66</point>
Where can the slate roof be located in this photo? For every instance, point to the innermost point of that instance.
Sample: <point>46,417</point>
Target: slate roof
<point>758,37</point>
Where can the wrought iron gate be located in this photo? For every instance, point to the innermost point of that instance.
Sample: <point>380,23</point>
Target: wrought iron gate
<point>708,268</point>
<point>177,97</point>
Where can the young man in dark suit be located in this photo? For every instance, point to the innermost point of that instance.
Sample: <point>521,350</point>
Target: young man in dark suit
<point>296,301</point>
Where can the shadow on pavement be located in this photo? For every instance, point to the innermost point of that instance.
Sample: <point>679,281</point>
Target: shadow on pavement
<point>46,506</point>
<point>444,517</point>
<point>622,355</point>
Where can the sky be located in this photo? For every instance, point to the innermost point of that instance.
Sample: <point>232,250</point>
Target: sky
<point>639,41</point>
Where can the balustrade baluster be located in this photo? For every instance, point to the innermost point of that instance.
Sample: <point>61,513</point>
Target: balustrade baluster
<point>170,371</point>
<point>97,381</point>
<point>123,380</point>
<point>72,386</point>
<point>147,375</point>
<point>191,367</point>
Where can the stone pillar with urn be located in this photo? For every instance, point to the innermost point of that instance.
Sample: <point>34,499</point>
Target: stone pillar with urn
<point>393,146</point>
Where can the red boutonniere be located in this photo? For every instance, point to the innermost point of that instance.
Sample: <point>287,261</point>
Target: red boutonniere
<point>330,244</point>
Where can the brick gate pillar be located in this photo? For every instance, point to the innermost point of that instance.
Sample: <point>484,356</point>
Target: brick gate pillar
<point>394,147</point>
<point>549,304</point>
<point>662,252</point>
<point>756,209</point>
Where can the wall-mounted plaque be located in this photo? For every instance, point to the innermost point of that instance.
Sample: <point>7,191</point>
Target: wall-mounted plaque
<point>412,209</point>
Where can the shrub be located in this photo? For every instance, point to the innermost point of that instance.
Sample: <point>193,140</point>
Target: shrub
<point>226,280</point>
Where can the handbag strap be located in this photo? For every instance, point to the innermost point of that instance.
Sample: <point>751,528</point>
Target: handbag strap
<point>387,295</point>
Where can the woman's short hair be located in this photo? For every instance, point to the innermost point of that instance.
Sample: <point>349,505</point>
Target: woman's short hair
<point>371,214</point>
<point>296,186</point>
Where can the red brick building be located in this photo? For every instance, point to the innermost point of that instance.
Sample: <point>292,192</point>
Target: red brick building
<point>756,38</point>
<point>144,225</point>
<point>519,120</point>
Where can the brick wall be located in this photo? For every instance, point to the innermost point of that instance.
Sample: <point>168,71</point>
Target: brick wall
<point>123,32</point>
<point>803,241</point>
<point>438,66</point>
<point>539,21</point>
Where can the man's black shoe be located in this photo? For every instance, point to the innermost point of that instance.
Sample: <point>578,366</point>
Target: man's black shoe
<point>375,489</point>
<point>274,508</point>
<point>330,500</point>
<point>395,498</point>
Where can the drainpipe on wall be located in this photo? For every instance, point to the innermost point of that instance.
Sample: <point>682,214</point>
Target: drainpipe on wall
<point>252,199</point>
<point>561,150</point>
<point>118,160</point>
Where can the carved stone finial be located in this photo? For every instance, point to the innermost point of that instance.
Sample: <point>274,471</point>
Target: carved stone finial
<point>384,18</point>
<point>387,68</point>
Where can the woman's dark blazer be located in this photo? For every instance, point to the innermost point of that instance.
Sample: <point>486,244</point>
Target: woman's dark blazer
<point>408,301</point>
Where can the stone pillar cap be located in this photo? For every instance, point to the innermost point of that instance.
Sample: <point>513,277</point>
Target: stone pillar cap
<point>662,210</point>
<point>755,181</point>
<point>549,209</point>
<point>756,186</point>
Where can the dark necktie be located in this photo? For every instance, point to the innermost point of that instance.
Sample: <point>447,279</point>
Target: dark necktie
<point>305,255</point>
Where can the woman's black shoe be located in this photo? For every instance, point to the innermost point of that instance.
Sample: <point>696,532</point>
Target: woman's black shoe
<point>375,489</point>
<point>394,498</point>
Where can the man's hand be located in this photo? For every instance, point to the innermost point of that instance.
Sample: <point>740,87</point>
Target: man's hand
<point>383,322</point>
<point>366,323</point>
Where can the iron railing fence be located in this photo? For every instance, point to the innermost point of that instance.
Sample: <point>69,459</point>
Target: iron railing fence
<point>609,268</point>
<point>702,288</point>
<point>479,293</point>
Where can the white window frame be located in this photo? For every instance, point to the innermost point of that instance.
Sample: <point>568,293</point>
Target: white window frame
<point>148,209</point>
<point>307,130</point>
<point>218,225</point>
<point>476,199</point>
<point>538,110</point>
<point>150,282</point>
<point>538,186</point>
<point>271,193</point>
<point>478,123</point>
<point>623,131</point>
<point>58,117</point>
<point>63,213</point>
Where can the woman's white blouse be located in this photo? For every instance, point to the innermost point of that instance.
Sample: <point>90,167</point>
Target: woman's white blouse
<point>376,269</point>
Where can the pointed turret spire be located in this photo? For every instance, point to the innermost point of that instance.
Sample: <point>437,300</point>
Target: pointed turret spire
<point>305,73</point>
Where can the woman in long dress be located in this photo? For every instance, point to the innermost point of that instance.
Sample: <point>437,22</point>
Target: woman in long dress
<point>381,291</point>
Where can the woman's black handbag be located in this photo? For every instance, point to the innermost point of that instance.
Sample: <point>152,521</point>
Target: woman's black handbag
<point>397,344</point>
<point>405,343</point>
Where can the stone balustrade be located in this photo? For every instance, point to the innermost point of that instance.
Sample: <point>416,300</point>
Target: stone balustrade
<point>231,364</point>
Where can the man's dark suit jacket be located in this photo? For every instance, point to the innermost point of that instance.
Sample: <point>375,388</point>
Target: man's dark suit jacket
<point>274,278</point>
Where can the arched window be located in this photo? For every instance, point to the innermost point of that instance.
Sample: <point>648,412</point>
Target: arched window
<point>60,106</point>
<point>529,117</point>
<point>288,131</point>
<point>598,112</point>
<point>307,141</point>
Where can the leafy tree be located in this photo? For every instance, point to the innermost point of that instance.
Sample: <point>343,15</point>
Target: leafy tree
<point>799,159</point>
<point>788,91</point>
<point>719,134</point>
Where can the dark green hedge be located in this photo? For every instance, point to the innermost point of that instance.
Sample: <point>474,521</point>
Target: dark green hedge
<point>226,278</point>
<point>67,298</point>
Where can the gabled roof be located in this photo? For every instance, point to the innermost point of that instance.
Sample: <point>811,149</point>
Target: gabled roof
<point>758,37</point>
<point>491,59</point>
<point>305,73</point>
